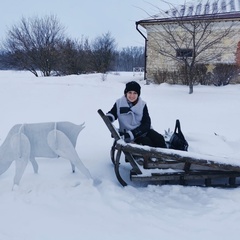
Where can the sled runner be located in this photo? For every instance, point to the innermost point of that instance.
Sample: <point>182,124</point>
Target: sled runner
<point>150,165</point>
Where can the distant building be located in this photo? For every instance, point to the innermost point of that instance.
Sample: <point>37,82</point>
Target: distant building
<point>222,12</point>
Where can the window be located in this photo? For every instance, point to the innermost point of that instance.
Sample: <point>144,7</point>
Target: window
<point>174,13</point>
<point>224,6</point>
<point>198,10</point>
<point>182,11</point>
<point>206,10</point>
<point>232,5</point>
<point>190,11</point>
<point>184,53</point>
<point>215,7</point>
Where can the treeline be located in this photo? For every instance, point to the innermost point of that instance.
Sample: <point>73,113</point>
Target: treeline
<point>40,45</point>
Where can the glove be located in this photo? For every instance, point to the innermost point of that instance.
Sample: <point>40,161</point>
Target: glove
<point>126,137</point>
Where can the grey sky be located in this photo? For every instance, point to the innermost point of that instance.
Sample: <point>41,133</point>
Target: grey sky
<point>88,18</point>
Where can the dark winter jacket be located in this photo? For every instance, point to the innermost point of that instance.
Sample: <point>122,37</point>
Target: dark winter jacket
<point>132,119</point>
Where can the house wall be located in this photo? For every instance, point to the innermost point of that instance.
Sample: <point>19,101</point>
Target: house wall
<point>156,39</point>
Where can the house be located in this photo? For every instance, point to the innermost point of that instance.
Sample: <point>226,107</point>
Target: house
<point>206,31</point>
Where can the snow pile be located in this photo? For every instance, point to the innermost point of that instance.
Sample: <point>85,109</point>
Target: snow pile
<point>57,204</point>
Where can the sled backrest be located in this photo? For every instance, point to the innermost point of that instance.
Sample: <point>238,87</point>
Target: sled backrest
<point>110,126</point>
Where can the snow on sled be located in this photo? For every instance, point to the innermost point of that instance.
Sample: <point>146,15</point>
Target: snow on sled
<point>149,165</point>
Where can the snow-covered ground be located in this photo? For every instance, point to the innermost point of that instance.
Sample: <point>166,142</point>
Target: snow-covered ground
<point>57,204</point>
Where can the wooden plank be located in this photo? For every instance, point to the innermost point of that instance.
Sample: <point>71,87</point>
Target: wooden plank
<point>208,181</point>
<point>180,176</point>
<point>170,156</point>
<point>111,128</point>
<point>232,181</point>
<point>164,165</point>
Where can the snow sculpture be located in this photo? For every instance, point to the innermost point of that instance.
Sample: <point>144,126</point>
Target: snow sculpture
<point>25,142</point>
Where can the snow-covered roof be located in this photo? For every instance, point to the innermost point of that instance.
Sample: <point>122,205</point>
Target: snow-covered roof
<point>201,7</point>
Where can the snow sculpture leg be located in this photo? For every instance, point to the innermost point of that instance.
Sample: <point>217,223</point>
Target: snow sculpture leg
<point>63,147</point>
<point>20,147</point>
<point>6,157</point>
<point>34,164</point>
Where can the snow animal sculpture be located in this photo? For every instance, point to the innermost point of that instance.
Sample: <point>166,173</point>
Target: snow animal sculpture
<point>25,142</point>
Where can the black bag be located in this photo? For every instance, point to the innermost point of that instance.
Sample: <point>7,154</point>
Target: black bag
<point>177,140</point>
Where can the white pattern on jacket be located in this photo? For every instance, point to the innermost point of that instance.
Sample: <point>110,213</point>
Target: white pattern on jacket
<point>131,119</point>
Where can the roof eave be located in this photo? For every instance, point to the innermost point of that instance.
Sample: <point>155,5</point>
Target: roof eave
<point>227,17</point>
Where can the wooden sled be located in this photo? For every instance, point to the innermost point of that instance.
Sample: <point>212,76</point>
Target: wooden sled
<point>150,165</point>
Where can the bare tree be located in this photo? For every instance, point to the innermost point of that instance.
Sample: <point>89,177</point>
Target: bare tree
<point>33,42</point>
<point>128,58</point>
<point>103,53</point>
<point>73,57</point>
<point>191,39</point>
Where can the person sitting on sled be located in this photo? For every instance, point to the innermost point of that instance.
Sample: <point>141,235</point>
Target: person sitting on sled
<point>133,117</point>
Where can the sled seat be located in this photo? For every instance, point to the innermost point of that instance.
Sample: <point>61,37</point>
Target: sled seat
<point>150,165</point>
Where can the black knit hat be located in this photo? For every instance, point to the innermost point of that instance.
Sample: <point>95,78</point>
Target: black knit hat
<point>133,86</point>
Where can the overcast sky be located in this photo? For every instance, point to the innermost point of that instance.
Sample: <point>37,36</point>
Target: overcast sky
<point>88,18</point>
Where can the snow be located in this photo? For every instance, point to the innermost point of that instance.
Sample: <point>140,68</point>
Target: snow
<point>57,204</point>
<point>200,7</point>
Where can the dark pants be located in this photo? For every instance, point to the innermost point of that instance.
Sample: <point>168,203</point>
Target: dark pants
<point>152,139</point>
